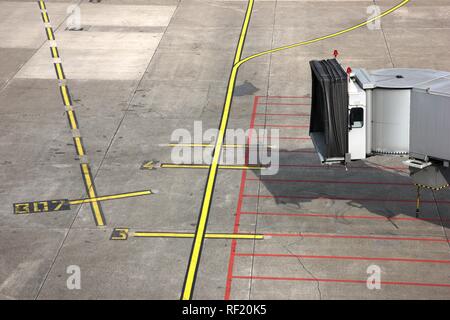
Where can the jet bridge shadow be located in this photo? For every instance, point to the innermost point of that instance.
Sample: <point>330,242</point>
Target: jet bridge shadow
<point>374,189</point>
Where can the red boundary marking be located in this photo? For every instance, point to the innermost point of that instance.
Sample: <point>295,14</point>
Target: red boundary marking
<point>323,215</point>
<point>233,253</point>
<point>234,242</point>
<point>303,256</point>
<point>238,209</point>
<point>285,97</point>
<point>268,103</point>
<point>280,126</point>
<point>284,114</point>
<point>268,180</point>
<point>335,236</point>
<point>342,198</point>
<point>398,283</point>
<point>298,165</point>
<point>293,138</point>
<point>298,151</point>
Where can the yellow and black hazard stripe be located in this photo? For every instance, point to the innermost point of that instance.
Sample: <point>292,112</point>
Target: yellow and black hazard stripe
<point>42,5</point>
<point>430,187</point>
<point>45,17</point>
<point>54,52</point>
<point>65,95</point>
<point>72,119</point>
<point>59,71</point>
<point>50,34</point>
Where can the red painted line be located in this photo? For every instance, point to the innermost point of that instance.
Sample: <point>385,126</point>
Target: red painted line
<point>298,151</point>
<point>337,166</point>
<point>285,97</point>
<point>396,283</point>
<point>280,126</point>
<point>342,198</point>
<point>283,104</point>
<point>335,236</point>
<point>269,180</point>
<point>318,166</point>
<point>238,210</point>
<point>284,114</point>
<point>275,255</point>
<point>298,165</point>
<point>234,242</point>
<point>293,138</point>
<point>320,215</point>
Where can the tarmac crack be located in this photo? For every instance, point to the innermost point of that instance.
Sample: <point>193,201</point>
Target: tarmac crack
<point>300,261</point>
<point>385,40</point>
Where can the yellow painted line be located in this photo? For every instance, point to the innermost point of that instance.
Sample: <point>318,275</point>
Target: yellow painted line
<point>204,213</point>
<point>149,165</point>
<point>79,146</point>
<point>98,215</point>
<point>65,95</point>
<point>45,17</point>
<point>42,5</point>
<point>111,197</point>
<point>54,51</point>
<point>50,35</point>
<point>59,71</point>
<point>185,166</point>
<point>332,35</point>
<point>205,166</point>
<point>72,120</point>
<point>201,226</point>
<point>143,234</point>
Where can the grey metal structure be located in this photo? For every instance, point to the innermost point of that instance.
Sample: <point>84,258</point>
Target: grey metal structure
<point>430,120</point>
<point>407,112</point>
<point>390,96</point>
<point>410,113</point>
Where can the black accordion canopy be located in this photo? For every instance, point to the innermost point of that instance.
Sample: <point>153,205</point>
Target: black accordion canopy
<point>329,109</point>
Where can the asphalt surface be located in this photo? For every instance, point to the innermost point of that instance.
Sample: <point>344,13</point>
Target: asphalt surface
<point>139,70</point>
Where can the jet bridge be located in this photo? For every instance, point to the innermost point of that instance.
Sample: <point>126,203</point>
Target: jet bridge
<point>389,111</point>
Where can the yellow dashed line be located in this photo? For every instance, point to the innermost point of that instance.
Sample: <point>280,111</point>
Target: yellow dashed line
<point>54,51</point>
<point>72,120</point>
<point>50,35</point>
<point>45,17</point>
<point>65,96</point>
<point>42,5</point>
<point>200,232</point>
<point>59,71</point>
<point>79,146</point>
<point>98,215</point>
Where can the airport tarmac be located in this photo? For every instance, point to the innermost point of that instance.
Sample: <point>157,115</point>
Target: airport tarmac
<point>87,116</point>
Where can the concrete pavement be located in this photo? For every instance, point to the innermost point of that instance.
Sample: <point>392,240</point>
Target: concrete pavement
<point>140,70</point>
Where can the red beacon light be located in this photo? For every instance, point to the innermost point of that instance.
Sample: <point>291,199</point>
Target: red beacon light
<point>335,53</point>
<point>349,71</point>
